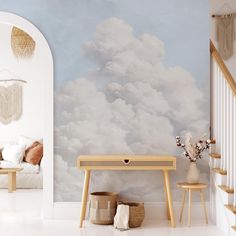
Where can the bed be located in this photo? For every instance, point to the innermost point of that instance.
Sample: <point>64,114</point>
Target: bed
<point>31,177</point>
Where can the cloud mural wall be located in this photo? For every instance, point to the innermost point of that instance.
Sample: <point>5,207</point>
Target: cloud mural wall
<point>131,103</point>
<point>129,76</point>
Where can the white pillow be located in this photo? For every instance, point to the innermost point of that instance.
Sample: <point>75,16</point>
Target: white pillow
<point>27,141</point>
<point>13,153</point>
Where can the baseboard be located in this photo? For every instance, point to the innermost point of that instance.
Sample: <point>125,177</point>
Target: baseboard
<point>153,210</point>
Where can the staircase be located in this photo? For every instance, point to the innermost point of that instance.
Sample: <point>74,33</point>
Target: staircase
<point>223,153</point>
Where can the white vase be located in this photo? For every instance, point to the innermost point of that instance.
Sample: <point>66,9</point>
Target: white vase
<point>193,173</point>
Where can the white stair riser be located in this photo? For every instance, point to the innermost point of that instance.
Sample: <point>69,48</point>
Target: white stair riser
<point>219,179</point>
<point>227,198</point>
<point>231,217</point>
<point>216,163</point>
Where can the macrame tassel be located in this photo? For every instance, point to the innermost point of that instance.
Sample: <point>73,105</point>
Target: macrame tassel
<point>22,44</point>
<point>10,103</point>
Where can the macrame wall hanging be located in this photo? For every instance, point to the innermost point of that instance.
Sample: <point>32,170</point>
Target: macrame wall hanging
<point>10,99</point>
<point>22,44</point>
<point>225,31</point>
<point>226,35</point>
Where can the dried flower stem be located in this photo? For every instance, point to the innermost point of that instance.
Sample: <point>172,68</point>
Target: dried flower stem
<point>193,151</point>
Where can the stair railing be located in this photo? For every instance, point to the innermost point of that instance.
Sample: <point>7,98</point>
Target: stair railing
<point>223,117</point>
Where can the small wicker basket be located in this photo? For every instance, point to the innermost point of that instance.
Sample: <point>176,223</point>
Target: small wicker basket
<point>136,213</point>
<point>103,207</point>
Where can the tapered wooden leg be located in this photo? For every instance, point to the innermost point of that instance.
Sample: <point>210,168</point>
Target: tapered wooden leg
<point>14,181</point>
<point>183,203</point>
<point>189,206</point>
<point>204,206</point>
<point>11,182</point>
<point>167,204</point>
<point>169,197</point>
<point>84,197</point>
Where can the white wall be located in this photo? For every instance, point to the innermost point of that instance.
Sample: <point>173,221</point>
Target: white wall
<point>216,8</point>
<point>32,70</point>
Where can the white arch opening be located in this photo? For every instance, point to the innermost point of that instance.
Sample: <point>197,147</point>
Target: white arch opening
<point>12,19</point>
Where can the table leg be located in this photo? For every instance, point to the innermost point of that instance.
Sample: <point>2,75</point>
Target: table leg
<point>204,206</point>
<point>11,182</point>
<point>84,197</point>
<point>183,203</point>
<point>169,197</point>
<point>189,206</point>
<point>14,181</point>
<point>167,204</point>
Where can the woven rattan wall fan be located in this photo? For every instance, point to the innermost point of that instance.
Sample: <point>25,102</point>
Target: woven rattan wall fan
<point>22,44</point>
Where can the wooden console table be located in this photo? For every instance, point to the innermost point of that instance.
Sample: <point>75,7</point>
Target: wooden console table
<point>127,162</point>
<point>11,172</point>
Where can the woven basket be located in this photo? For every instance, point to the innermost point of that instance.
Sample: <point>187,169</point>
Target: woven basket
<point>103,207</point>
<point>136,213</point>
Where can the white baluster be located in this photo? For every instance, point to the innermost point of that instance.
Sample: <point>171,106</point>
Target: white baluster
<point>227,133</point>
<point>231,138</point>
<point>218,115</point>
<point>234,145</point>
<point>214,112</point>
<point>221,119</point>
<point>224,124</point>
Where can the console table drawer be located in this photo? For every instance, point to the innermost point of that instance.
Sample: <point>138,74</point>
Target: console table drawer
<point>127,162</point>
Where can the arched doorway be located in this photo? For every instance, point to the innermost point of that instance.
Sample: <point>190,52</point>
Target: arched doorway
<point>45,72</point>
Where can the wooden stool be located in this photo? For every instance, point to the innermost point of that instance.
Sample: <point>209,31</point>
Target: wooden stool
<point>192,187</point>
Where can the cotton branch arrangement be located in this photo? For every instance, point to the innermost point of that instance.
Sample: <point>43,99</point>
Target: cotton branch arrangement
<point>193,150</point>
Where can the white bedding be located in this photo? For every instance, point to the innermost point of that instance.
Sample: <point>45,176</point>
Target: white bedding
<point>32,181</point>
<point>27,167</point>
<point>30,177</point>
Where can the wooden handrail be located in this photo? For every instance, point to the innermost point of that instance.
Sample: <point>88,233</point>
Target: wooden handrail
<point>215,54</point>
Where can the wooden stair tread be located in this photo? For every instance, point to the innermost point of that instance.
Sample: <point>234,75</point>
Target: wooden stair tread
<point>231,208</point>
<point>226,189</point>
<point>215,155</point>
<point>234,228</point>
<point>220,171</point>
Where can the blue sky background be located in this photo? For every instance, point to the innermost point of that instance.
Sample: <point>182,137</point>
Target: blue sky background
<point>67,24</point>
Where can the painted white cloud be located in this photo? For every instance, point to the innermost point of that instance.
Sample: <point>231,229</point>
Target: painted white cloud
<point>131,103</point>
